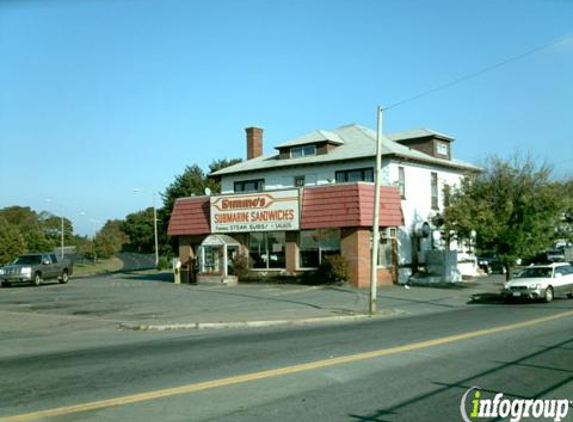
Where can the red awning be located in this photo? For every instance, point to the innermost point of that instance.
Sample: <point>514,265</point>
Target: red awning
<point>190,216</point>
<point>349,206</point>
<point>322,207</point>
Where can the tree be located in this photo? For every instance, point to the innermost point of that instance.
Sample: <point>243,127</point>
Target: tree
<point>84,246</point>
<point>214,183</point>
<point>11,241</point>
<point>512,206</point>
<point>110,239</point>
<point>192,182</point>
<point>52,227</point>
<point>28,223</point>
<point>565,228</point>
<point>138,227</point>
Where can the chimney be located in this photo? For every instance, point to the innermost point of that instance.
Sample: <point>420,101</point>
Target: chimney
<point>254,142</point>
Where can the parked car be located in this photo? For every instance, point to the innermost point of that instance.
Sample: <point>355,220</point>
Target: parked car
<point>556,255</point>
<point>489,263</point>
<point>35,268</point>
<point>541,282</point>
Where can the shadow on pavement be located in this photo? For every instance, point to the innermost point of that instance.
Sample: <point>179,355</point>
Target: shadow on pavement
<point>163,277</point>
<point>487,299</point>
<point>464,384</point>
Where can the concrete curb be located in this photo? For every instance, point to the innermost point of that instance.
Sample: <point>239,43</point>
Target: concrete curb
<point>258,324</point>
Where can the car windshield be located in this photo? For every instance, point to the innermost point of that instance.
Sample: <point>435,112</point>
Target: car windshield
<point>540,272</point>
<point>29,260</point>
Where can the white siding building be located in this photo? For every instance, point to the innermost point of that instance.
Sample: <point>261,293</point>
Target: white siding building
<point>418,162</point>
<point>289,211</point>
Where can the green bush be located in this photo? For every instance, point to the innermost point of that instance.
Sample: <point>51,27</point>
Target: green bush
<point>242,265</point>
<point>163,264</point>
<point>333,269</point>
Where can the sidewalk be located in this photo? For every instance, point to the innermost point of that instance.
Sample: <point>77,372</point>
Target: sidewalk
<point>256,305</point>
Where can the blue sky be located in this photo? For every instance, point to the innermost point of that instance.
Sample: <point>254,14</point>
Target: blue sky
<point>98,97</point>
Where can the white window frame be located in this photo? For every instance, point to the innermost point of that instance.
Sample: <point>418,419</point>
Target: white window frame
<point>443,148</point>
<point>302,151</point>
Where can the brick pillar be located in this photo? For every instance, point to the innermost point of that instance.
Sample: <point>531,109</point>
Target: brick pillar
<point>254,142</point>
<point>185,250</point>
<point>355,247</point>
<point>291,252</point>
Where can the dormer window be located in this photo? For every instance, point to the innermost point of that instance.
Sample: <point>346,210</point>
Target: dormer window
<point>302,151</point>
<point>443,148</point>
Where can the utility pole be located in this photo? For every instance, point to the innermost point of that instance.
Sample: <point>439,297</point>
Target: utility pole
<point>137,190</point>
<point>376,217</point>
<point>49,201</point>
<point>155,231</point>
<point>62,235</point>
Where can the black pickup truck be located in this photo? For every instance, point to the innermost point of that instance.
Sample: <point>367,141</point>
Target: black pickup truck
<point>35,268</point>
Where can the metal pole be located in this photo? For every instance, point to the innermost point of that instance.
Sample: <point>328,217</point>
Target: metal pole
<point>62,235</point>
<point>376,217</point>
<point>155,231</point>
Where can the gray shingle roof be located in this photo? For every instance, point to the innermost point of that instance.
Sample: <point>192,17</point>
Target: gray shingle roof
<point>312,138</point>
<point>358,142</point>
<point>416,133</point>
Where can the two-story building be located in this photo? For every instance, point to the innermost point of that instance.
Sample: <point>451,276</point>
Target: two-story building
<point>314,197</point>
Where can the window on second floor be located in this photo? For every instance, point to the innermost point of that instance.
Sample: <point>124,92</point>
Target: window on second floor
<point>302,151</point>
<point>434,189</point>
<point>256,185</point>
<point>443,148</point>
<point>402,182</point>
<point>355,175</point>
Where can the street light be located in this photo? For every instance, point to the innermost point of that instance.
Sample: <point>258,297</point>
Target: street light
<point>376,216</point>
<point>137,190</point>
<point>49,201</point>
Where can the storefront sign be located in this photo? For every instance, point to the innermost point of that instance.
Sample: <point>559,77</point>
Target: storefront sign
<point>262,211</point>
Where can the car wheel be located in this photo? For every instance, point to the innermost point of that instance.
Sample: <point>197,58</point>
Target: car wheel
<point>37,279</point>
<point>570,295</point>
<point>5,284</point>
<point>64,277</point>
<point>549,294</point>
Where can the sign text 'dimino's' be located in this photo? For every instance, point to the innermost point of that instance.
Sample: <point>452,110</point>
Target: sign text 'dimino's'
<point>246,203</point>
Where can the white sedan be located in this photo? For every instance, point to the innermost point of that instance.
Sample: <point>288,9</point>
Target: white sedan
<point>541,282</point>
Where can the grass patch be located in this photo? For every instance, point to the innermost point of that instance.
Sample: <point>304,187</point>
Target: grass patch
<point>102,266</point>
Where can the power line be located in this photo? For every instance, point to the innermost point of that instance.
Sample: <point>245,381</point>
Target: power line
<point>481,71</point>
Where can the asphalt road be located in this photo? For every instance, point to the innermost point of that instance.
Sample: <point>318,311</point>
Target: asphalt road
<point>305,374</point>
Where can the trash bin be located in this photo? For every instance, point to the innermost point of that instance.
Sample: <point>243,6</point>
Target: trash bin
<point>185,274</point>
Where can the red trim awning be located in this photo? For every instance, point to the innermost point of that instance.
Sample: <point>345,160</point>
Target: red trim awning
<point>190,216</point>
<point>322,207</point>
<point>349,206</point>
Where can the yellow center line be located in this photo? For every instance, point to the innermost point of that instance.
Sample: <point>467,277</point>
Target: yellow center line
<point>224,382</point>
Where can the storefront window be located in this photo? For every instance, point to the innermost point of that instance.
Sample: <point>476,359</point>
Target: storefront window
<point>314,245</point>
<point>267,250</point>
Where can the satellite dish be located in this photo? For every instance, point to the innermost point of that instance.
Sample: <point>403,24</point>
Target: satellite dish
<point>208,191</point>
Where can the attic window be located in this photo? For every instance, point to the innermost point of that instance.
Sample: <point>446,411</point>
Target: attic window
<point>302,151</point>
<point>442,148</point>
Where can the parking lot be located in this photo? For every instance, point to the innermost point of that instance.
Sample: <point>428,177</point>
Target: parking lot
<point>151,299</point>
